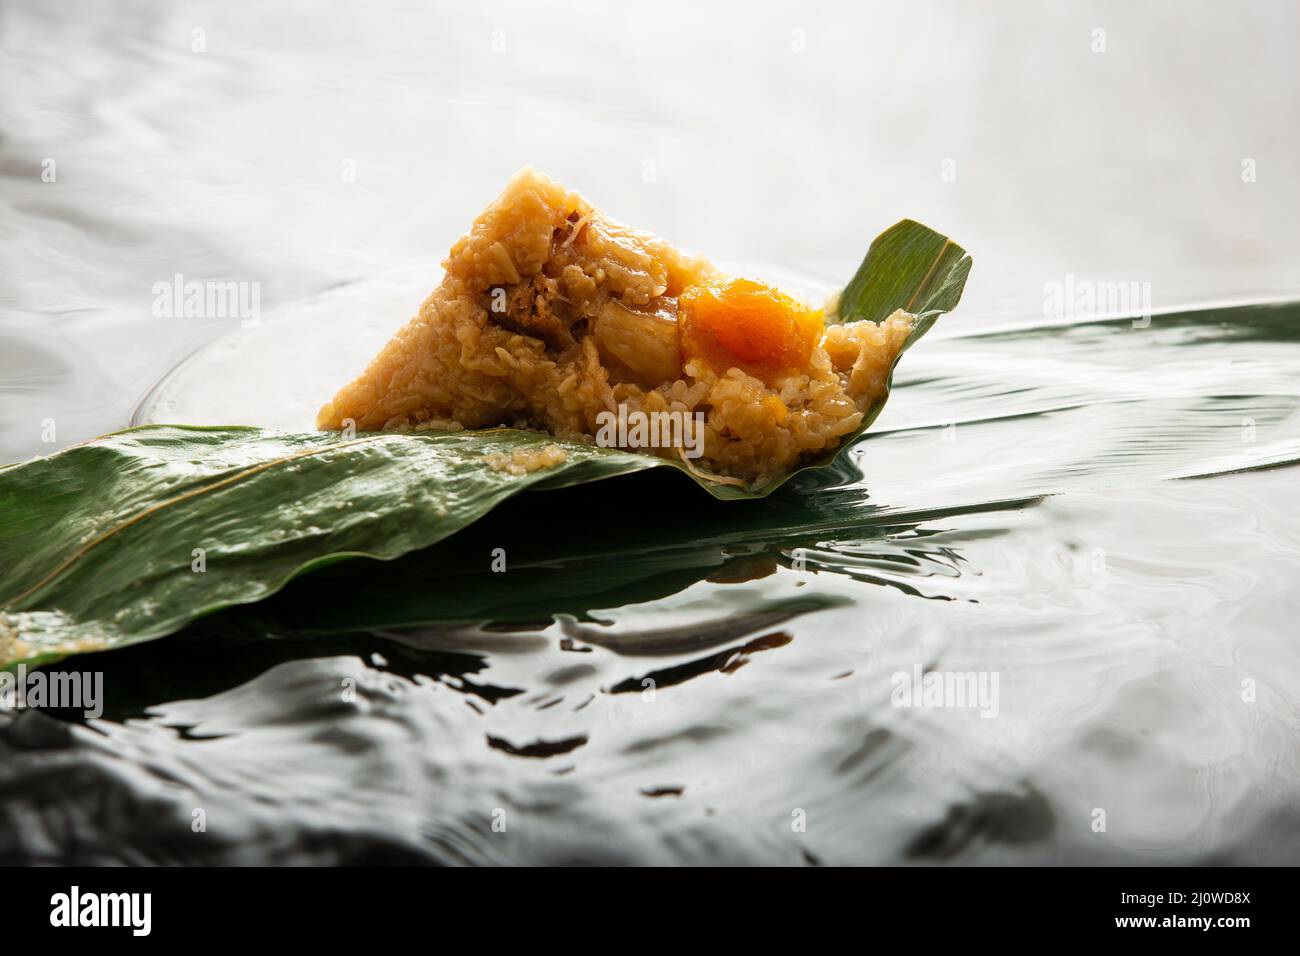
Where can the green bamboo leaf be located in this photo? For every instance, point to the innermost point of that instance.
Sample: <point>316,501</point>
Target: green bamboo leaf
<point>132,536</point>
<point>909,267</point>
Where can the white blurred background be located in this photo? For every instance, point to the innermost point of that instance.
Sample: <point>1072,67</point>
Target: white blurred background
<point>300,145</point>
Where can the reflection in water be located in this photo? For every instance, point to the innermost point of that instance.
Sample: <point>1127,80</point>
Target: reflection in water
<point>1010,818</point>
<point>734,662</point>
<point>1121,638</point>
<point>723,662</point>
<point>660,678</point>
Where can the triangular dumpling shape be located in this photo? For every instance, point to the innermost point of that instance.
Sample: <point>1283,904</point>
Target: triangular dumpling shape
<point>553,316</point>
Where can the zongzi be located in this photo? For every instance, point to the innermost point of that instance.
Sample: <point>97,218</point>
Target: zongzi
<point>553,316</point>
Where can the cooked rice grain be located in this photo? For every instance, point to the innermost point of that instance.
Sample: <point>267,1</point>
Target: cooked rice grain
<point>506,339</point>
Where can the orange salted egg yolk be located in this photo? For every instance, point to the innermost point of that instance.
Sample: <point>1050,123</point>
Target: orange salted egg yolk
<point>749,325</point>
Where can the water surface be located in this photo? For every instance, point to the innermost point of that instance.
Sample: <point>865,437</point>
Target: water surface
<point>1100,514</point>
<point>1104,529</point>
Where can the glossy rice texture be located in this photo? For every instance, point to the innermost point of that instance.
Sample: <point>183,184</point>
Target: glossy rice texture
<point>551,313</point>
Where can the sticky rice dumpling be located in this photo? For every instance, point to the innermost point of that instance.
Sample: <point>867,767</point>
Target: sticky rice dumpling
<point>553,316</point>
